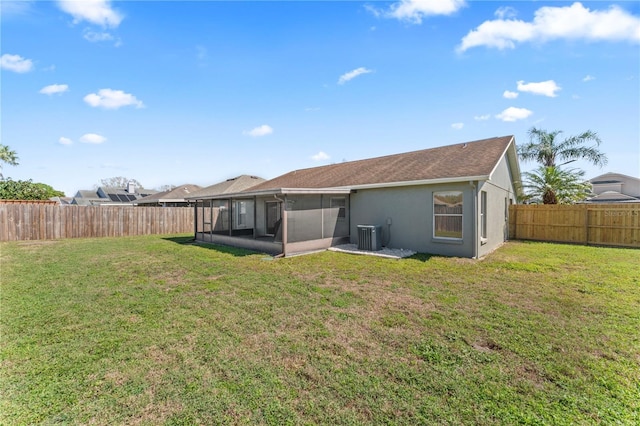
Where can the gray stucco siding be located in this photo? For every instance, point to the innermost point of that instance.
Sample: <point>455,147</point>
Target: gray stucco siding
<point>410,210</point>
<point>500,193</point>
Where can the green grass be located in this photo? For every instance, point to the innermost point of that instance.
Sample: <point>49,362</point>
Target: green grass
<point>153,330</point>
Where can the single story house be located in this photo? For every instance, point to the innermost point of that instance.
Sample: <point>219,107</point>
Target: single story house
<point>451,200</point>
<point>171,198</point>
<point>615,188</point>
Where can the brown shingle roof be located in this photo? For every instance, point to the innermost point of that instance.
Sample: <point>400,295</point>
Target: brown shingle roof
<point>471,159</point>
<point>229,186</point>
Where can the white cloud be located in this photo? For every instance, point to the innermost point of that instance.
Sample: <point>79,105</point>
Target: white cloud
<point>52,89</point>
<point>545,88</point>
<point>259,131</point>
<point>321,156</point>
<point>574,22</point>
<point>588,78</point>
<point>353,74</point>
<point>92,138</point>
<point>509,95</point>
<point>97,37</point>
<point>64,141</point>
<point>94,37</point>
<point>97,12</point>
<point>457,126</point>
<point>482,117</point>
<point>505,12</point>
<point>15,63</point>
<point>112,99</point>
<point>414,11</point>
<point>514,114</point>
<point>15,8</point>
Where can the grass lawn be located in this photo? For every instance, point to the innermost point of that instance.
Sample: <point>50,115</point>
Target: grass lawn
<point>156,330</point>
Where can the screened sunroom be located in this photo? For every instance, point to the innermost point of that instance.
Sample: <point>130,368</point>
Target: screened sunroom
<point>275,221</point>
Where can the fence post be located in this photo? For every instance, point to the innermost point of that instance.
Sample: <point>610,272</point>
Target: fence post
<point>515,222</point>
<point>586,224</point>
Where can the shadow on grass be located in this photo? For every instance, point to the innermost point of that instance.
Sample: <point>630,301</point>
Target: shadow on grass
<point>234,251</point>
<point>422,257</point>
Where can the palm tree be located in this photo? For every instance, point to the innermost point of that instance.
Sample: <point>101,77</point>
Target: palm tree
<point>7,156</point>
<point>545,148</point>
<point>552,185</point>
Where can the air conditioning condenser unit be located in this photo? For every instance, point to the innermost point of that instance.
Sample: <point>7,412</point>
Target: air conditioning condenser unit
<point>369,237</point>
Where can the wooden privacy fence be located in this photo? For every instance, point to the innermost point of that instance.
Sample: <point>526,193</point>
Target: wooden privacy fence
<point>48,222</point>
<point>597,224</point>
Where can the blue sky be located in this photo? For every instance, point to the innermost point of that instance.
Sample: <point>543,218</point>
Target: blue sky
<point>197,92</point>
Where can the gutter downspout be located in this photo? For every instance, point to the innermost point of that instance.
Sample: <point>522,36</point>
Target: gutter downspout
<point>230,216</point>
<point>195,221</point>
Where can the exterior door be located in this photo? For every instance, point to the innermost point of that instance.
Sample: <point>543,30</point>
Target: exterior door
<point>272,210</point>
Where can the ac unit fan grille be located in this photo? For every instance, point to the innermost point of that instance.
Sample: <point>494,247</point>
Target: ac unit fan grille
<point>369,237</point>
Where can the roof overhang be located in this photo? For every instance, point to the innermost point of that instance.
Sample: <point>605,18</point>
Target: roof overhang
<point>419,182</point>
<point>162,200</point>
<point>277,191</point>
<point>340,190</point>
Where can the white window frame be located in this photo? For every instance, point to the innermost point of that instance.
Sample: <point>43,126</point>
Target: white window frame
<point>437,215</point>
<point>241,214</point>
<point>483,215</point>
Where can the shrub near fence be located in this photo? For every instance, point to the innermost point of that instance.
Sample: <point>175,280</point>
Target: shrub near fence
<point>48,222</point>
<point>591,224</point>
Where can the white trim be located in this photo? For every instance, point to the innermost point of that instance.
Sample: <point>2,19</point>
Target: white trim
<point>436,238</point>
<point>419,182</point>
<point>511,154</point>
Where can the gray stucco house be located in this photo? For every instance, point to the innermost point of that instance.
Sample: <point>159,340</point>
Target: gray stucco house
<point>615,188</point>
<point>452,200</point>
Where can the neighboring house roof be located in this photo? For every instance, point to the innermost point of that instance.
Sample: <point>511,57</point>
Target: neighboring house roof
<point>627,185</point>
<point>90,201</point>
<point>454,163</point>
<point>612,197</point>
<point>233,185</point>
<point>107,195</point>
<point>122,195</point>
<point>175,195</point>
<point>610,177</point>
<point>88,197</point>
<point>87,193</point>
<point>63,201</point>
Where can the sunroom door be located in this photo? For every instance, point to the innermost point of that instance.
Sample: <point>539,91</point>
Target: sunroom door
<point>272,210</point>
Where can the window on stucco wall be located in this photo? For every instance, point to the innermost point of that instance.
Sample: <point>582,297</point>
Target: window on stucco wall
<point>483,214</point>
<point>447,215</point>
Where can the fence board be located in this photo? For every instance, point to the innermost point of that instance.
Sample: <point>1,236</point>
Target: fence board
<point>46,221</point>
<point>594,224</point>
